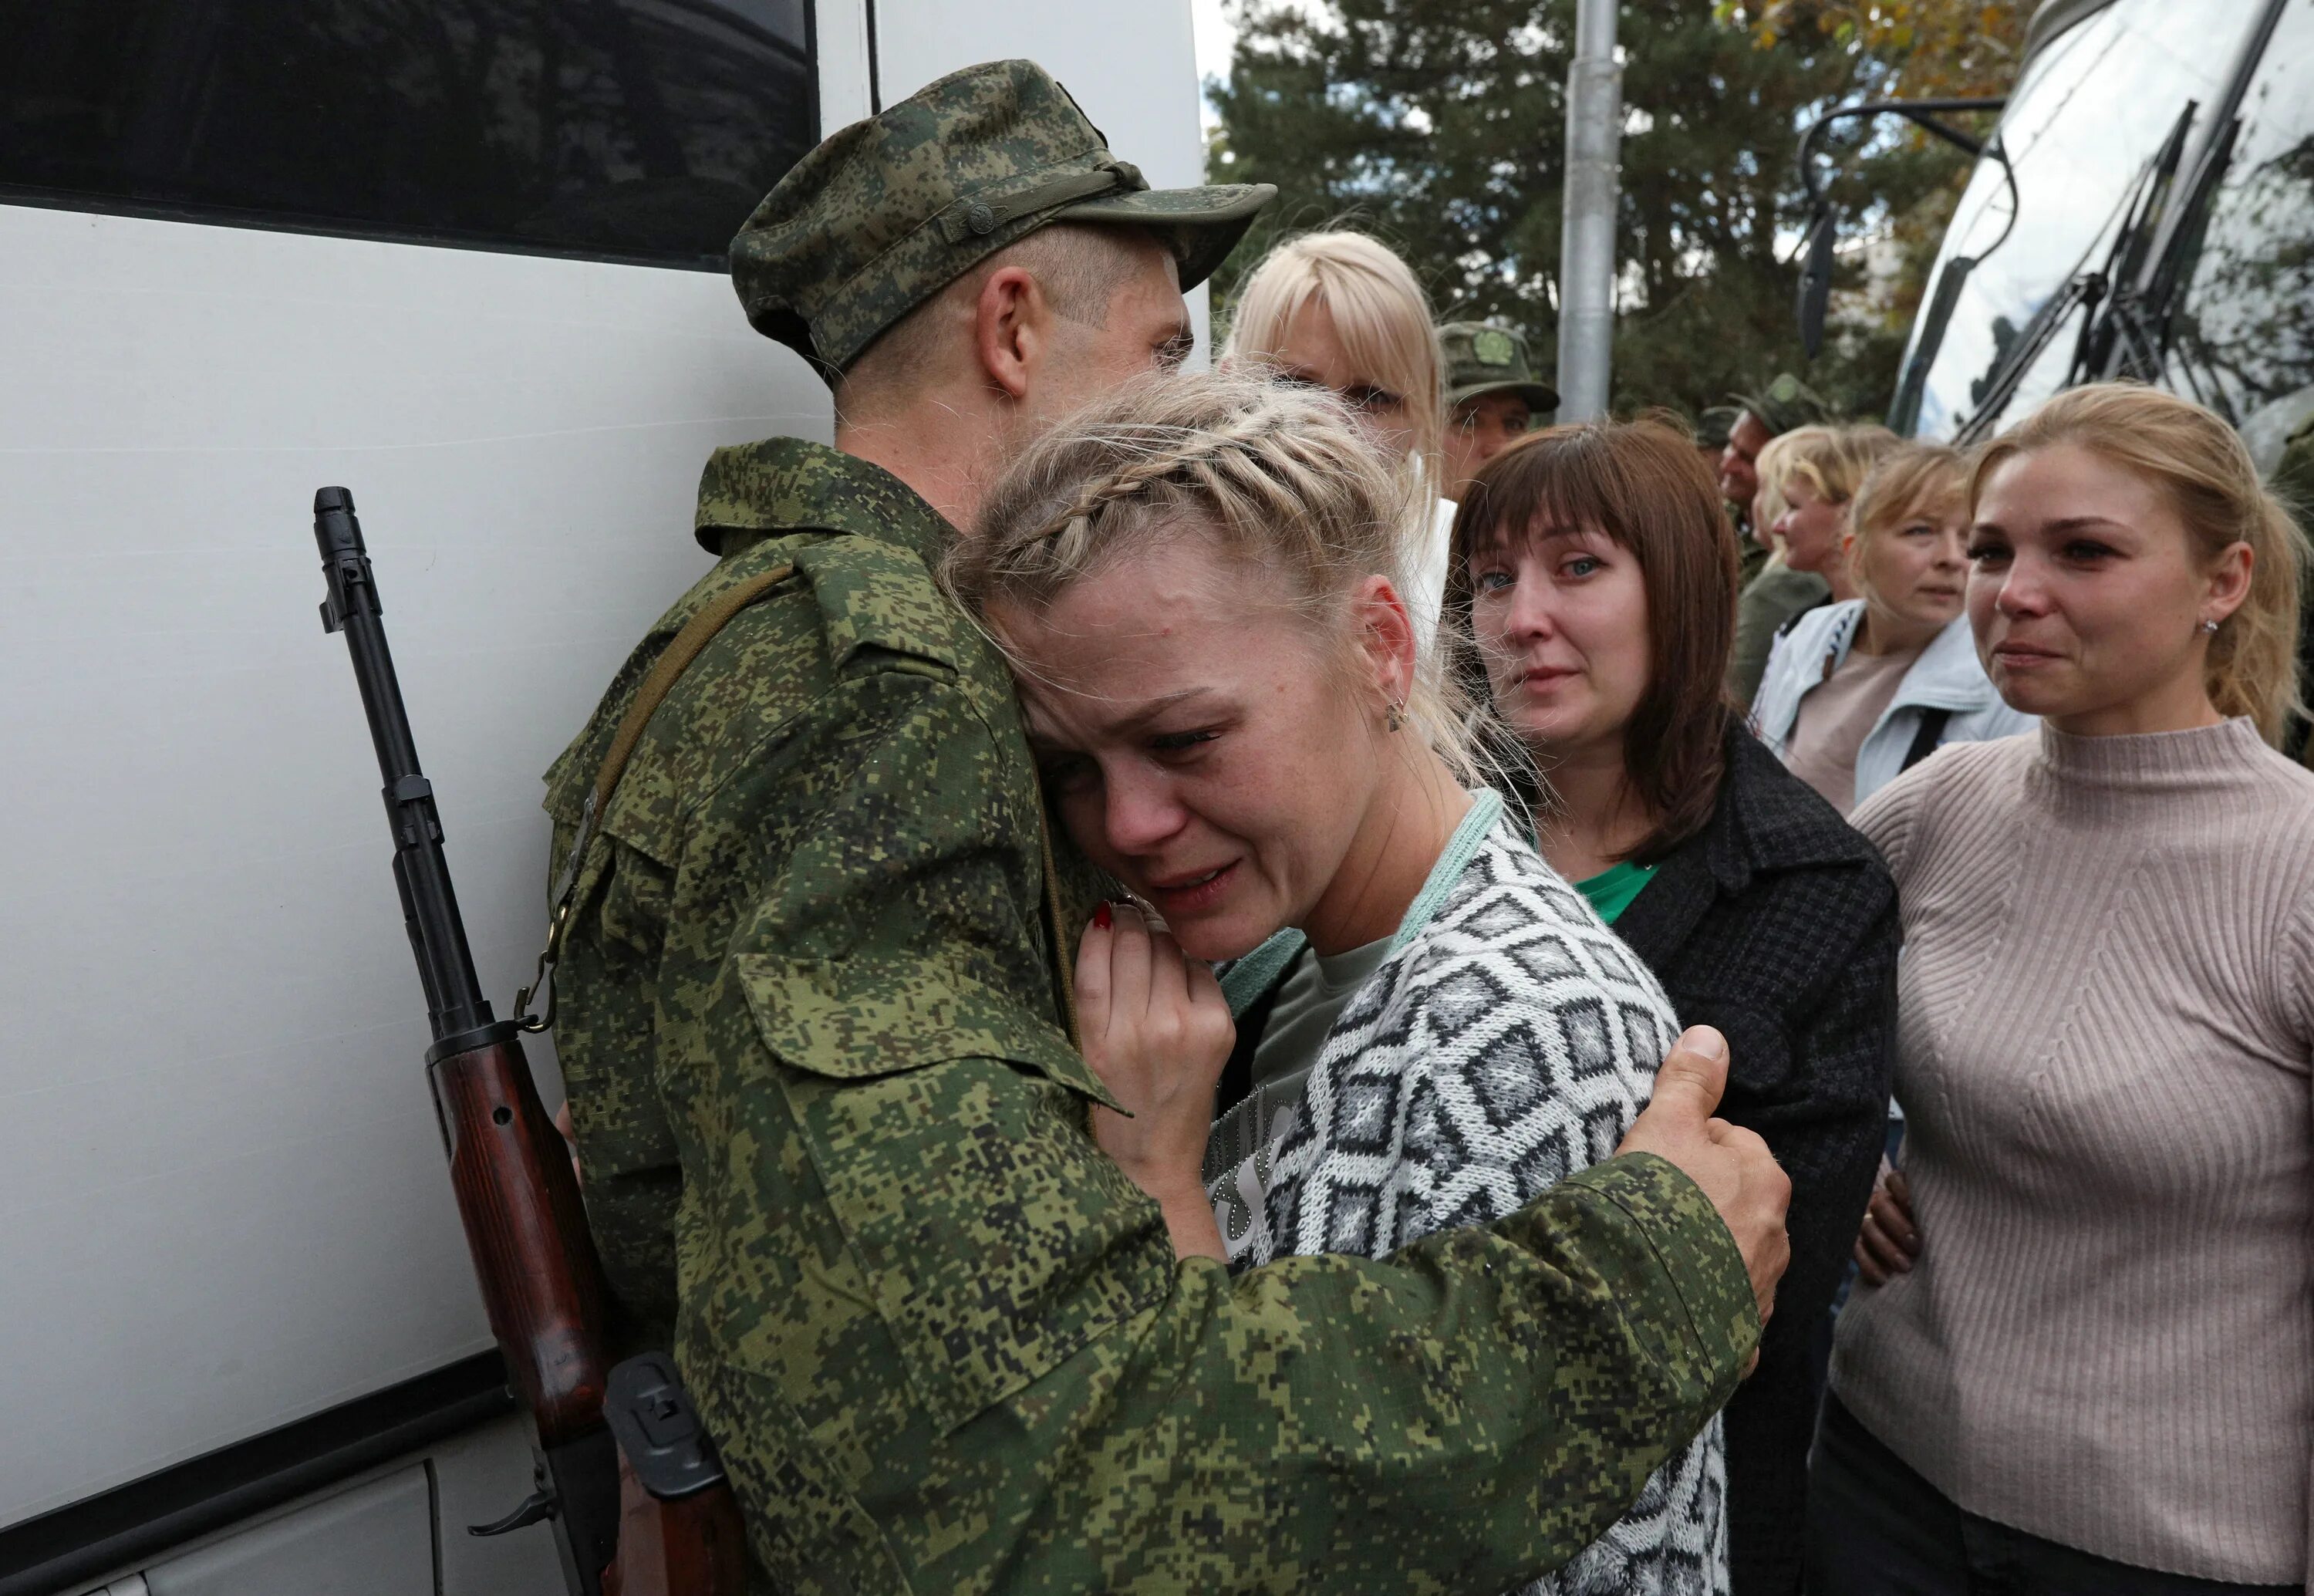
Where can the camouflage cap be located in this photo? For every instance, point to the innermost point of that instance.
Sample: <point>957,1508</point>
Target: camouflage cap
<point>1483,358</point>
<point>890,210</point>
<point>1785,403</point>
<point>1713,426</point>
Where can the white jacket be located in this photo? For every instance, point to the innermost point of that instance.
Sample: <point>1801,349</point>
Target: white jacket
<point>1946,676</point>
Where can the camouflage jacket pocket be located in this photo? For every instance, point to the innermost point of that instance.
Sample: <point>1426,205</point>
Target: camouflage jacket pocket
<point>865,1014</point>
<point>948,1131</point>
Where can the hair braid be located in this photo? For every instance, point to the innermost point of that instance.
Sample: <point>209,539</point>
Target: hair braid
<point>1197,452</point>
<point>1279,478</point>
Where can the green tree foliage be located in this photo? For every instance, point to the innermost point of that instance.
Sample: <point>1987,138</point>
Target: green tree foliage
<point>1439,126</point>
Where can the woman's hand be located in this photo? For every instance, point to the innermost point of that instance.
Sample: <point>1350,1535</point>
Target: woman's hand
<point>1889,1241</point>
<point>1157,1031</point>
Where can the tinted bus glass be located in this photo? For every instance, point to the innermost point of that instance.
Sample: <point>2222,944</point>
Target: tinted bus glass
<point>2243,337</point>
<point>642,129</point>
<point>2082,122</point>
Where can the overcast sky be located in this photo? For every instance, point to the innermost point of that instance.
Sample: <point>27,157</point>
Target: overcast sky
<point>1213,36</point>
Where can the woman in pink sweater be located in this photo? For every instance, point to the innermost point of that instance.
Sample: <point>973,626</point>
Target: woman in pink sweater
<point>2090,1367</point>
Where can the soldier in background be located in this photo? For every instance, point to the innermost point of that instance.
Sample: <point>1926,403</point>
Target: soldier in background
<point>1492,397</point>
<point>1772,593</point>
<point>817,1016</point>
<point>1712,428</point>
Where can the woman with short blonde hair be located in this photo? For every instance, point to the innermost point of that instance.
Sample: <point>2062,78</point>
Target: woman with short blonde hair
<point>1860,690</point>
<point>2097,1369</point>
<point>1341,310</point>
<point>1816,472</point>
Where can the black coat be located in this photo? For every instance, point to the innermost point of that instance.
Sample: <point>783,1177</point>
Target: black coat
<point>1776,923</point>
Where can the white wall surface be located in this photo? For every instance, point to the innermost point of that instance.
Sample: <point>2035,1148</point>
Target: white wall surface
<point>221,1198</point>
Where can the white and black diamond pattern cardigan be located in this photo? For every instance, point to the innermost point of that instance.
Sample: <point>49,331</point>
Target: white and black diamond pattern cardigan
<point>1508,1039</point>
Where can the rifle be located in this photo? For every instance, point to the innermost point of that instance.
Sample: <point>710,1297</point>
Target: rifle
<point>518,1200</point>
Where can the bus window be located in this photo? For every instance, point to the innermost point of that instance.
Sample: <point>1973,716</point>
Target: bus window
<point>2244,335</point>
<point>631,130</point>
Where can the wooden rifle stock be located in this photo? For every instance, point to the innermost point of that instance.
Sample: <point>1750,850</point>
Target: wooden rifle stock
<point>541,1283</point>
<point>518,1201</point>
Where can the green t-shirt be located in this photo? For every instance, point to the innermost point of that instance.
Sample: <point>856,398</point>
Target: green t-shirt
<point>1612,890</point>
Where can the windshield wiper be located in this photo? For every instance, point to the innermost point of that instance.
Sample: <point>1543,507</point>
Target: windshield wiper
<point>2141,210</point>
<point>2136,333</point>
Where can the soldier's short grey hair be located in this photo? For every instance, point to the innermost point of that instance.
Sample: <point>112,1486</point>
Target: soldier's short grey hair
<point>1079,265</point>
<point>1279,477</point>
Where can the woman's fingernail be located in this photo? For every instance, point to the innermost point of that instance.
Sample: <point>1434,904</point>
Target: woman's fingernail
<point>1102,918</point>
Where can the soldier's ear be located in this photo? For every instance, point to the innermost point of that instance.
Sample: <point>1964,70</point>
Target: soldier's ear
<point>1011,326</point>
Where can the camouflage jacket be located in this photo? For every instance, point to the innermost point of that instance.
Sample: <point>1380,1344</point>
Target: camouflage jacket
<point>830,1120</point>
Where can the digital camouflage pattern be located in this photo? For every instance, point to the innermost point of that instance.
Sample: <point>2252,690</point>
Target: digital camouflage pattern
<point>1480,357</point>
<point>888,211</point>
<point>832,1126</point>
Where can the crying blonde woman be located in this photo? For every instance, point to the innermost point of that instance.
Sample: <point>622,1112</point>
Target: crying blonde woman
<point>1348,1005</point>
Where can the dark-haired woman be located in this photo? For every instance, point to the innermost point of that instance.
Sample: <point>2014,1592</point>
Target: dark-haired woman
<point>1591,597</point>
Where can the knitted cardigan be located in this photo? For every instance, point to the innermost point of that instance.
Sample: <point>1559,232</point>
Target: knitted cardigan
<point>1507,1039</point>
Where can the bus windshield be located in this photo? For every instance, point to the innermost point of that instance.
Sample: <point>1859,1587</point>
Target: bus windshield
<point>2089,112</point>
<point>2243,335</point>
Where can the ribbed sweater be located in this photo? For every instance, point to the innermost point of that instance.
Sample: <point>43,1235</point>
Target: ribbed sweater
<point>2106,1029</point>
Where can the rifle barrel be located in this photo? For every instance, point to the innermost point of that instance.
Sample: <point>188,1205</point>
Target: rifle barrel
<point>454,1002</point>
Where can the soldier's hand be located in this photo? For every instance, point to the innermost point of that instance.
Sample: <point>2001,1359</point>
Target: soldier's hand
<point>1732,1165</point>
<point>1157,1031</point>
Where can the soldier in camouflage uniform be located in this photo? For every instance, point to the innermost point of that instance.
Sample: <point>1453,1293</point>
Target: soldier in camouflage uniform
<point>834,1129</point>
<point>1492,396</point>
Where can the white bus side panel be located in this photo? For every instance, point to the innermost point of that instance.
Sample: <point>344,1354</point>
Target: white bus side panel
<point>221,1195</point>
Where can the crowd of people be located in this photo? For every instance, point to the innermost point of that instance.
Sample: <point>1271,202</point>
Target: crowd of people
<point>1125,1021</point>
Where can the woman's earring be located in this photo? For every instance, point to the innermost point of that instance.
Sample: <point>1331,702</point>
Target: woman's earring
<point>1395,716</point>
<point>2209,628</point>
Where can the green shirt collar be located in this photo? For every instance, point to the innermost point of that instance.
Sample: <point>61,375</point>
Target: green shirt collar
<point>752,491</point>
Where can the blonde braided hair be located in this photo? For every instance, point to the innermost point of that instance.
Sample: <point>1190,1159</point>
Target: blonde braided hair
<point>1277,477</point>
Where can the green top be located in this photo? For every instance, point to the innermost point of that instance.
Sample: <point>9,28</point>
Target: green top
<point>1312,992</point>
<point>830,1120</point>
<point>1612,890</point>
<point>1309,1000</point>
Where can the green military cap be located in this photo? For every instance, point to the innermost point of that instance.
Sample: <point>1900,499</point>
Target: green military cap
<point>1784,405</point>
<point>889,211</point>
<point>1712,427</point>
<point>1484,359</point>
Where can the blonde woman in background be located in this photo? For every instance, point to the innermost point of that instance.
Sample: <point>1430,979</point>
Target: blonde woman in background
<point>1861,691</point>
<point>2087,1363</point>
<point>1816,471</point>
<point>1196,587</point>
<point>1775,594</point>
<point>1341,310</point>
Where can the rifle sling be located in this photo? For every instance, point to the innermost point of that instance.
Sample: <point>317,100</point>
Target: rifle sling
<point>666,671</point>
